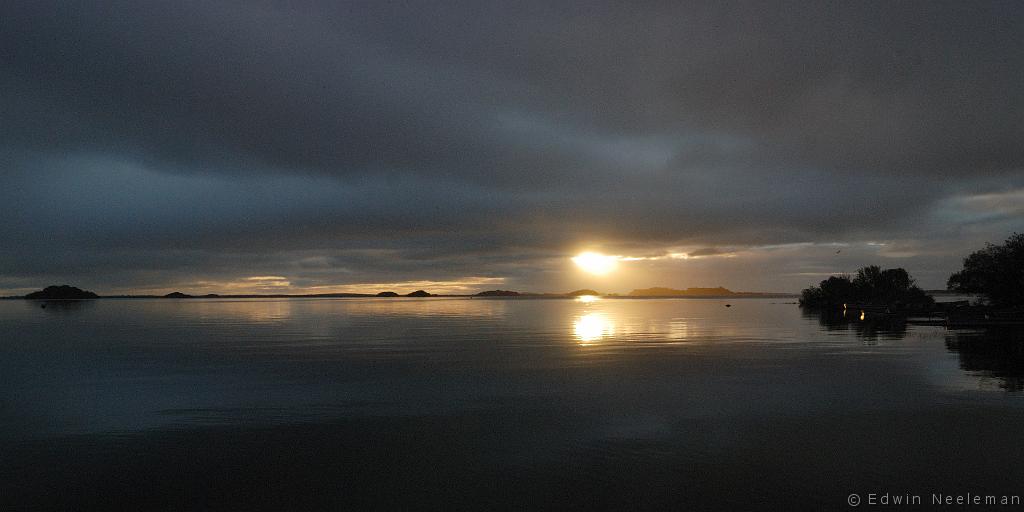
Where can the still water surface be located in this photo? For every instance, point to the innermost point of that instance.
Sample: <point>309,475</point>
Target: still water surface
<point>311,404</point>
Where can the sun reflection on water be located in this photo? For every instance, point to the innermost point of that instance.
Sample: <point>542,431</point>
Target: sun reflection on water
<point>592,327</point>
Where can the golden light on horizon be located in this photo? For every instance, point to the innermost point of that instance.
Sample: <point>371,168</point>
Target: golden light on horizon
<point>595,263</point>
<point>588,298</point>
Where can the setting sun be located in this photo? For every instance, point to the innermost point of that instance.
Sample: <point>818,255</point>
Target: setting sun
<point>595,263</point>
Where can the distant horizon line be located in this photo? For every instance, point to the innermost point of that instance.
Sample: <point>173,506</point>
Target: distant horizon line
<point>653,292</point>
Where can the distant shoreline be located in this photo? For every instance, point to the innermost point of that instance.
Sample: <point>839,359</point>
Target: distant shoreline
<point>525,296</point>
<point>66,292</point>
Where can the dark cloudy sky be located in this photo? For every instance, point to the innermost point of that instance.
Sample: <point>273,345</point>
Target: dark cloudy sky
<point>320,146</point>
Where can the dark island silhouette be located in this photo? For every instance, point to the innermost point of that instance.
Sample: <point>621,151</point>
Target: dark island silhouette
<point>498,293</point>
<point>585,291</point>
<point>65,291</point>
<point>700,292</point>
<point>61,292</point>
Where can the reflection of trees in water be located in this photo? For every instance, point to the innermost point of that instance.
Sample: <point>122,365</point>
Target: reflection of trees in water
<point>995,352</point>
<point>872,328</point>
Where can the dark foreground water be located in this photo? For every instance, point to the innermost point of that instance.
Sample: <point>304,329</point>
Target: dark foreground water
<point>494,404</point>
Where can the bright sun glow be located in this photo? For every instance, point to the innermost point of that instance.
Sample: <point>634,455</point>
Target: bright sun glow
<point>592,327</point>
<point>595,263</point>
<point>588,298</point>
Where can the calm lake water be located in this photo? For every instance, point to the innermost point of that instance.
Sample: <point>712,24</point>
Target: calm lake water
<point>313,404</point>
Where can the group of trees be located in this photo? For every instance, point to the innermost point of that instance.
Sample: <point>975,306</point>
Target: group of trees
<point>995,272</point>
<point>871,284</point>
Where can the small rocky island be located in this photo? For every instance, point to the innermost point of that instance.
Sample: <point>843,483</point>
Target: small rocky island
<point>497,293</point>
<point>719,291</point>
<point>62,292</point>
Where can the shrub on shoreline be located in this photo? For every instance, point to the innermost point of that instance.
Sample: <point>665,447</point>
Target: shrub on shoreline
<point>892,286</point>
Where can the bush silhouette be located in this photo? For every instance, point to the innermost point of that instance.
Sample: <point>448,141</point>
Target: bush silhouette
<point>997,272</point>
<point>892,286</point>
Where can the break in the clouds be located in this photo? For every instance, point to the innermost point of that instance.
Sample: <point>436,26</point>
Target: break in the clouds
<point>353,145</point>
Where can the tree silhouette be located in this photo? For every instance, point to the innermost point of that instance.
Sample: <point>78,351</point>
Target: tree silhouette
<point>892,286</point>
<point>997,272</point>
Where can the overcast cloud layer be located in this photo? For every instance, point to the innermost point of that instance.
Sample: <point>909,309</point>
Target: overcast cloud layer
<point>320,146</point>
